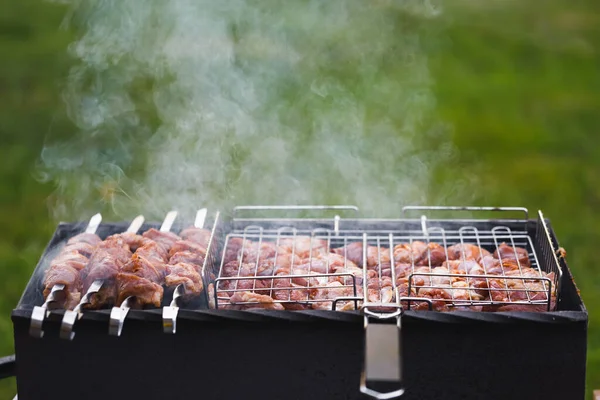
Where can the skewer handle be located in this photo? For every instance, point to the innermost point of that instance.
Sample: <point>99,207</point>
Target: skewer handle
<point>68,321</point>
<point>170,312</point>
<point>117,317</point>
<point>168,221</point>
<point>200,218</point>
<point>39,313</point>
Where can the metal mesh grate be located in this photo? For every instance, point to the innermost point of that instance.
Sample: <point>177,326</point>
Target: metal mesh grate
<point>463,267</point>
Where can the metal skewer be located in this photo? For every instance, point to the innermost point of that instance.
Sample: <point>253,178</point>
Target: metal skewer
<point>118,314</point>
<point>57,293</point>
<point>170,312</point>
<point>68,321</point>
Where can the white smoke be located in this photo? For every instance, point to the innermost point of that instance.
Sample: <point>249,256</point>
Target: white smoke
<point>189,103</point>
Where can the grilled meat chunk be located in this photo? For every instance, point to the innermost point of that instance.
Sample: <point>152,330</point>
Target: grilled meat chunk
<point>184,274</point>
<point>467,251</point>
<point>420,254</point>
<point>506,252</point>
<point>65,268</point>
<point>165,239</point>
<point>197,235</point>
<point>89,238</point>
<point>145,291</point>
<point>106,261</point>
<point>256,301</point>
<point>303,246</point>
<point>187,257</point>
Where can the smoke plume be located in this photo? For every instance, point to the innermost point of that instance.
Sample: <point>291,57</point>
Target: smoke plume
<point>185,104</point>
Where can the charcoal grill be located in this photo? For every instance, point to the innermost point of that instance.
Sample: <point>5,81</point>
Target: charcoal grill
<point>350,346</point>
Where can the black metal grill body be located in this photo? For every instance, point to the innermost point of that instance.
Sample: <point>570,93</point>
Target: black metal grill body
<point>225,354</point>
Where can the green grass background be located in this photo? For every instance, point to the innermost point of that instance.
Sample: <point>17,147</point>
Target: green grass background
<point>518,81</point>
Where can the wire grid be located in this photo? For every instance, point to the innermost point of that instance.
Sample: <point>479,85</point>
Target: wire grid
<point>313,276</point>
<point>383,281</point>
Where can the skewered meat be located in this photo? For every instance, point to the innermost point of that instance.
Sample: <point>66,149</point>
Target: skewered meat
<point>187,257</point>
<point>197,235</point>
<point>85,249</point>
<point>185,274</point>
<point>145,291</point>
<point>89,238</point>
<point>148,263</point>
<point>186,260</point>
<point>506,252</point>
<point>66,266</point>
<point>165,239</point>
<point>467,251</point>
<point>106,261</point>
<point>67,275</point>
<point>187,245</point>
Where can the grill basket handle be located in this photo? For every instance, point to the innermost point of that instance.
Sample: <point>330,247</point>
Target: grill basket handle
<point>7,367</point>
<point>466,209</point>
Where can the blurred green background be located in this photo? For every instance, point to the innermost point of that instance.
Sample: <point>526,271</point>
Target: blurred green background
<point>518,81</point>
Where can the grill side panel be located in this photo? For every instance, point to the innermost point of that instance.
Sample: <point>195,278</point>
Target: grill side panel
<point>317,358</point>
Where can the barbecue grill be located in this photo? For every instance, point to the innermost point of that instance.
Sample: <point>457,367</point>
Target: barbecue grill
<point>343,321</point>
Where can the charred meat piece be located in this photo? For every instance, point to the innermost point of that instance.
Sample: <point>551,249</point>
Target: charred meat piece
<point>420,254</point>
<point>295,296</point>
<point>332,291</point>
<point>133,240</point>
<point>380,290</point>
<point>165,239</point>
<point>149,261</point>
<point>467,251</point>
<point>184,274</point>
<point>189,246</point>
<point>71,259</point>
<point>89,238</point>
<point>145,291</point>
<point>304,246</point>
<point>353,252</point>
<point>470,267</point>
<point>85,249</point>
<point>65,268</point>
<point>64,274</point>
<point>375,255</point>
<point>187,257</point>
<point>149,264</point>
<point>506,252</point>
<point>197,235</point>
<point>233,249</point>
<point>104,264</point>
<point>253,301</point>
<point>522,286</point>
<point>493,266</point>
